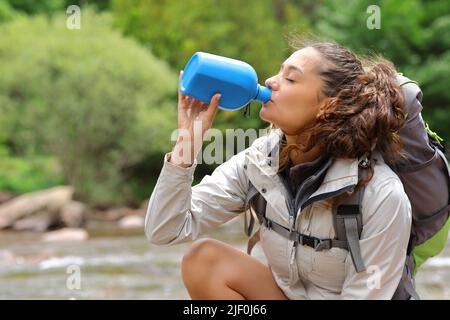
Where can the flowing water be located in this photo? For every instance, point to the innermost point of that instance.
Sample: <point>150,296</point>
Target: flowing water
<point>120,264</point>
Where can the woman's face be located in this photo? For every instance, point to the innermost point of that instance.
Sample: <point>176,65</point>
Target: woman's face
<point>296,92</point>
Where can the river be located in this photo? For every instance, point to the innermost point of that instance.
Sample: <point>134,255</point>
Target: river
<point>117,263</point>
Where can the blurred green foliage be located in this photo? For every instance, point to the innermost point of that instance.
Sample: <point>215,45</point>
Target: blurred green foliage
<point>95,107</point>
<point>53,6</point>
<point>26,174</point>
<point>252,31</point>
<point>6,12</point>
<point>174,29</point>
<point>414,34</point>
<point>29,7</point>
<point>99,103</point>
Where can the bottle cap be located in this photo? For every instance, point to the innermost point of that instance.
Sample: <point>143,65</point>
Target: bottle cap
<point>263,94</point>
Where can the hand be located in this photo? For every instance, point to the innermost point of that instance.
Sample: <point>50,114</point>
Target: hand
<point>194,119</point>
<point>191,110</point>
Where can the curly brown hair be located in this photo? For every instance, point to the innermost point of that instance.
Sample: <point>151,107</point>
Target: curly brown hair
<point>362,108</point>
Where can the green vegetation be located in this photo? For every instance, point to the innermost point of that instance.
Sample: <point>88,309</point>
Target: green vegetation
<point>100,104</point>
<point>95,107</point>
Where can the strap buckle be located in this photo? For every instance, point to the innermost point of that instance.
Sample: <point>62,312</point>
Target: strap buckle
<point>348,210</point>
<point>315,243</point>
<point>322,244</point>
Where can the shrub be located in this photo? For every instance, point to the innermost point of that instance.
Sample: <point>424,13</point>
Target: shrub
<point>99,103</point>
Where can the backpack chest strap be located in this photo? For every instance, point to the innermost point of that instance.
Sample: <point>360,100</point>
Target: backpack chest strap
<point>347,222</point>
<point>303,239</point>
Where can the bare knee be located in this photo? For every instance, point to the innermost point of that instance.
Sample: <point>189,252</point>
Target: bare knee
<point>202,255</point>
<point>202,269</point>
<point>201,251</point>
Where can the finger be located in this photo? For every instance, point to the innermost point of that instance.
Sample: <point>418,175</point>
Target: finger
<point>198,104</point>
<point>189,101</point>
<point>214,104</point>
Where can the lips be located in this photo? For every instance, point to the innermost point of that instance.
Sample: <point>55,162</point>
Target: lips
<point>268,102</point>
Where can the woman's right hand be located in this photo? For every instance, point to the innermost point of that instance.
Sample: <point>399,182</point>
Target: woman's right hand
<point>194,119</point>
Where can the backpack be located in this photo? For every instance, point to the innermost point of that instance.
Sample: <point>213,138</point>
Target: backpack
<point>425,175</point>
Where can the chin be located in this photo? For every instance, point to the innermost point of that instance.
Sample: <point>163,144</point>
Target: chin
<point>265,115</point>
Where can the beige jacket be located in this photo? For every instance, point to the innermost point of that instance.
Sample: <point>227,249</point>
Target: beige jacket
<point>178,212</point>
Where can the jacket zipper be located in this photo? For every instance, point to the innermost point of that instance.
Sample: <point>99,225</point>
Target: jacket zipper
<point>290,203</point>
<point>291,208</point>
<point>293,251</point>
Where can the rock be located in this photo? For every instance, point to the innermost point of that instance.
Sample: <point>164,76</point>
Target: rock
<point>5,196</point>
<point>25,205</point>
<point>138,212</point>
<point>116,214</point>
<point>73,214</point>
<point>133,221</point>
<point>108,215</point>
<point>8,257</point>
<point>38,222</point>
<point>66,235</point>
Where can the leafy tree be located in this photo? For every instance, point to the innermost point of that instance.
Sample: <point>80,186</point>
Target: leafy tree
<point>101,104</point>
<point>414,35</point>
<point>251,31</point>
<point>40,6</point>
<point>174,30</point>
<point>6,12</point>
<point>53,6</point>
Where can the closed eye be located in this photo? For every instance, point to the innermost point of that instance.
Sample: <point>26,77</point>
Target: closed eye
<point>290,80</point>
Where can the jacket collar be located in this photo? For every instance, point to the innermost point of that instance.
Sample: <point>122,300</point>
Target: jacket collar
<point>341,175</point>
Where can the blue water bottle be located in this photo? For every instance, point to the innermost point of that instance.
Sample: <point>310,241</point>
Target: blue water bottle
<point>207,74</point>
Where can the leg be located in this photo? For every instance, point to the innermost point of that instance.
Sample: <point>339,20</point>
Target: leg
<point>212,269</point>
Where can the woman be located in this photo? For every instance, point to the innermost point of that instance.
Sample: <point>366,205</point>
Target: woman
<point>328,111</point>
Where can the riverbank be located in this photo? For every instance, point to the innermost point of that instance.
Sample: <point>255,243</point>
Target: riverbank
<point>119,263</point>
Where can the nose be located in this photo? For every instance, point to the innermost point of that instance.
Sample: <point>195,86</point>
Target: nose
<point>271,83</point>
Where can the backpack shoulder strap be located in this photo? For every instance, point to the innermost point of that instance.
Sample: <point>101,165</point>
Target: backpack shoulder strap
<point>406,288</point>
<point>347,219</point>
<point>249,220</point>
<point>255,205</point>
<point>252,241</point>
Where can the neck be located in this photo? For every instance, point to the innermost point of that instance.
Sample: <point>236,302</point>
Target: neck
<point>297,156</point>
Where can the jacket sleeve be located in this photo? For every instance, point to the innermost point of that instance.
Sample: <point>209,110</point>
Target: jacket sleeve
<point>178,212</point>
<point>384,241</point>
